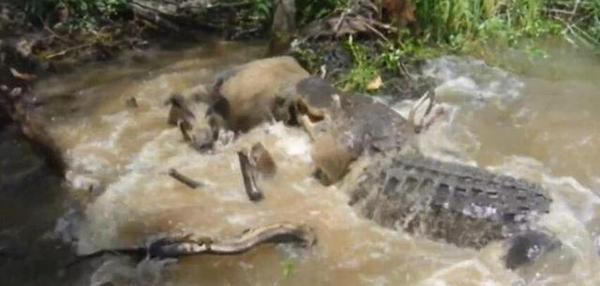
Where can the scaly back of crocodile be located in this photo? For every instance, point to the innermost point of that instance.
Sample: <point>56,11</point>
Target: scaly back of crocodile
<point>463,205</point>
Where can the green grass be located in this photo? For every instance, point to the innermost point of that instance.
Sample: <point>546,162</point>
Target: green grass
<point>583,26</point>
<point>456,22</point>
<point>480,28</point>
<point>365,68</point>
<point>452,24</point>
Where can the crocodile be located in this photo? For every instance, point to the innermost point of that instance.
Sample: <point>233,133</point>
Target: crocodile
<point>398,189</point>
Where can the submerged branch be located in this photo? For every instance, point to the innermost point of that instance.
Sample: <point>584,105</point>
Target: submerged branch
<point>191,183</point>
<point>249,176</point>
<point>176,247</point>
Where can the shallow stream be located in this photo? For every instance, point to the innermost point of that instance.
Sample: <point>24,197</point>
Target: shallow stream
<point>541,125</point>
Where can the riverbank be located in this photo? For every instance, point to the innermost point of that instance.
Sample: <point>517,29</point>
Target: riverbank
<point>32,49</point>
<point>374,48</point>
<point>39,210</point>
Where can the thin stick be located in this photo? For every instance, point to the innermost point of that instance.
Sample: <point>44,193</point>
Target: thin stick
<point>339,23</point>
<point>248,174</point>
<point>368,25</point>
<point>65,51</point>
<point>191,183</point>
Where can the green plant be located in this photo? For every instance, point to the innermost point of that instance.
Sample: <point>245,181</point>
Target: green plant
<point>580,19</point>
<point>364,71</point>
<point>477,27</point>
<point>288,268</point>
<point>469,25</point>
<point>391,57</point>
<point>445,21</point>
<point>409,51</point>
<point>261,10</point>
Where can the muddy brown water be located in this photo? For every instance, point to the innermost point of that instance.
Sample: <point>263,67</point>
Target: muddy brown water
<point>541,125</point>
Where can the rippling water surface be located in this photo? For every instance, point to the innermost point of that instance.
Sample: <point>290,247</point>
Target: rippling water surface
<point>542,125</point>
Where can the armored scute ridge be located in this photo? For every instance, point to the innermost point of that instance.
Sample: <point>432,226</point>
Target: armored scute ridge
<point>459,204</point>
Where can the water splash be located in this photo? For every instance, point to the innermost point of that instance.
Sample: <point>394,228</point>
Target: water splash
<point>472,80</point>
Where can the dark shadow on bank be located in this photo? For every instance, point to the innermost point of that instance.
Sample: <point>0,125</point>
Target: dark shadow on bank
<point>31,201</point>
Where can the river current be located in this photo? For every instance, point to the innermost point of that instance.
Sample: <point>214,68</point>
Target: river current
<point>541,124</point>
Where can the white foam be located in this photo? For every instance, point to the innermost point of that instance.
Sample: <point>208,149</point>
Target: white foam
<point>467,77</point>
<point>292,143</point>
<point>81,182</point>
<point>240,220</point>
<point>118,122</point>
<point>583,202</point>
<point>444,139</point>
<point>439,277</point>
<point>375,281</point>
<point>113,270</point>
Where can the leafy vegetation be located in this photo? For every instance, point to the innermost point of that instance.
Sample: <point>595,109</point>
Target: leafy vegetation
<point>288,268</point>
<point>473,26</point>
<point>453,24</point>
<point>457,23</point>
<point>261,10</point>
<point>76,12</point>
<point>581,20</point>
<point>364,71</point>
<point>442,26</point>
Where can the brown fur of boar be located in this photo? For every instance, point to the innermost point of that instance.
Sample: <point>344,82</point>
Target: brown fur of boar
<point>246,95</point>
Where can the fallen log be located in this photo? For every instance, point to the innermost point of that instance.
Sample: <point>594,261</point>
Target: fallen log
<point>249,175</point>
<point>177,247</point>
